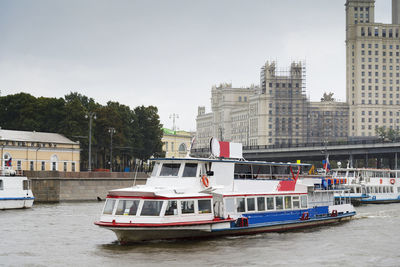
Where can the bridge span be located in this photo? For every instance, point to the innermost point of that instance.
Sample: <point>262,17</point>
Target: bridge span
<point>357,153</point>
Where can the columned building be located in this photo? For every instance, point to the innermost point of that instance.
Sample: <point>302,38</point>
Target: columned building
<point>372,68</point>
<point>38,151</point>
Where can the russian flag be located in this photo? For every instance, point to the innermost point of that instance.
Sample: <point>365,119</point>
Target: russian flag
<point>326,164</point>
<point>8,162</point>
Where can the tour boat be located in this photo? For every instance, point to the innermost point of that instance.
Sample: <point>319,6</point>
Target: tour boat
<point>15,192</point>
<point>369,185</point>
<point>223,195</point>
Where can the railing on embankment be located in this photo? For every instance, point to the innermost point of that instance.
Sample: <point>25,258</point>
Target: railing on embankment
<point>52,186</point>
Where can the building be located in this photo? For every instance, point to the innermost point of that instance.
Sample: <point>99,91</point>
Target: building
<point>372,68</point>
<point>176,143</point>
<point>329,121</point>
<point>275,113</point>
<point>39,151</point>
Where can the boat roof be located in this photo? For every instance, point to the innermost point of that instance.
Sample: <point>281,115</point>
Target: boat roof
<point>232,161</point>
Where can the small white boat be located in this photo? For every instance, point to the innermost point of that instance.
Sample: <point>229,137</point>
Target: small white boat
<point>369,185</point>
<point>194,197</point>
<point>15,192</point>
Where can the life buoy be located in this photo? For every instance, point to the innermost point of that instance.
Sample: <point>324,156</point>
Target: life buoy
<point>392,181</point>
<point>205,181</point>
<point>334,213</point>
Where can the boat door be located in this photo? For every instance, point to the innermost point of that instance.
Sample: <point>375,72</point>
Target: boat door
<point>218,205</point>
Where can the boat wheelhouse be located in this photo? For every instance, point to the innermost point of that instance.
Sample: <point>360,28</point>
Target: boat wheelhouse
<point>369,185</point>
<point>193,197</point>
<point>15,192</point>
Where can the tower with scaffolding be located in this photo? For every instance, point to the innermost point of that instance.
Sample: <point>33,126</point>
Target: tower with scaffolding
<point>288,107</point>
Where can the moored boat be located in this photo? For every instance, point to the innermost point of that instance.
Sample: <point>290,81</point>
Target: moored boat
<point>368,185</point>
<point>15,192</point>
<point>194,197</point>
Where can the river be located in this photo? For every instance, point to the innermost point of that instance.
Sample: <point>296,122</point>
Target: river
<point>64,235</point>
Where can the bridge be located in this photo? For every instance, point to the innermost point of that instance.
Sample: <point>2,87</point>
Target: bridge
<point>362,153</point>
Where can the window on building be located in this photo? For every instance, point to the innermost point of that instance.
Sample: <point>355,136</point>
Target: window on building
<point>43,166</point>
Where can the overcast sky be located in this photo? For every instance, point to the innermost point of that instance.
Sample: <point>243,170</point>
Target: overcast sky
<point>168,53</point>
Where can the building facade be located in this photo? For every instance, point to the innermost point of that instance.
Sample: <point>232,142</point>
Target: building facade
<point>176,143</point>
<point>329,121</point>
<point>372,69</point>
<point>276,112</point>
<point>38,151</point>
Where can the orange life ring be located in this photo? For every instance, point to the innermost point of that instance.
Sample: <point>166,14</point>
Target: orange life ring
<point>205,181</point>
<point>392,181</point>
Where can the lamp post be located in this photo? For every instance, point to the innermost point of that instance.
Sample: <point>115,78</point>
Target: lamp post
<point>112,131</point>
<point>91,116</point>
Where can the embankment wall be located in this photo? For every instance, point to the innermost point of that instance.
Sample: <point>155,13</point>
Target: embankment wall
<point>78,186</point>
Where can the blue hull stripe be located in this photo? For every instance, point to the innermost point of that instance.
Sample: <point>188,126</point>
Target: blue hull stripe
<point>17,198</point>
<point>261,225</point>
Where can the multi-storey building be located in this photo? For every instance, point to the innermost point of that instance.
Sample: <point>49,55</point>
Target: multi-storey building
<point>372,68</point>
<point>274,113</point>
<point>328,121</point>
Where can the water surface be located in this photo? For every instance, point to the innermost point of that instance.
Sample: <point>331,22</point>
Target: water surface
<point>64,235</point>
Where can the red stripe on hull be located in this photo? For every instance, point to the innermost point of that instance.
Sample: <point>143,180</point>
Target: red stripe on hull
<point>110,224</point>
<point>142,197</point>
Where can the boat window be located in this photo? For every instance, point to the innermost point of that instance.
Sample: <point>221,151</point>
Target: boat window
<point>190,170</point>
<point>1,185</point>
<point>303,200</point>
<point>391,189</point>
<point>368,190</point>
<point>25,185</point>
<point>261,203</point>
<point>279,203</point>
<point>204,206</point>
<point>172,208</point>
<point>358,189</point>
<point>270,203</point>
<point>296,202</point>
<point>261,171</point>
<point>380,189</point>
<point>242,171</point>
<point>170,169</point>
<point>127,207</point>
<point>155,169</point>
<point>230,204</point>
<point>352,189</point>
<point>384,189</point>
<point>251,204</point>
<point>288,202</point>
<point>240,205</point>
<point>280,170</point>
<point>109,206</point>
<point>187,206</point>
<point>151,208</point>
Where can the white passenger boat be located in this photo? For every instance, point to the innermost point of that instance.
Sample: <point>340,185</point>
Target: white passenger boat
<point>194,197</point>
<point>369,185</point>
<point>15,192</point>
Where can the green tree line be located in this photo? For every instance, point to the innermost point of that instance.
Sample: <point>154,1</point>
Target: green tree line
<point>137,137</point>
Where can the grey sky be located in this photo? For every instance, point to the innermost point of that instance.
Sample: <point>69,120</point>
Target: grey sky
<point>168,53</point>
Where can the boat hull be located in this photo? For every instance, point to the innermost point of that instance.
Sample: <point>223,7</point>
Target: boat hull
<point>15,203</point>
<point>136,234</point>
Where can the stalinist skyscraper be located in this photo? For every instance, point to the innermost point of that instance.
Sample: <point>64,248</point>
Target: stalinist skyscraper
<point>372,68</point>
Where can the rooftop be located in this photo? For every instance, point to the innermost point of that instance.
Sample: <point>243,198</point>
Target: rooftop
<point>25,136</point>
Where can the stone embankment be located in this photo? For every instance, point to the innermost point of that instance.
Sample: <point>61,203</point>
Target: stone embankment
<point>52,186</point>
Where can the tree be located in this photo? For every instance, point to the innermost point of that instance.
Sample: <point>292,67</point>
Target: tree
<point>147,132</point>
<point>387,135</point>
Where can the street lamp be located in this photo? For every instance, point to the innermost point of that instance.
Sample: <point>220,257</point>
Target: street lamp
<point>112,131</point>
<point>90,115</point>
